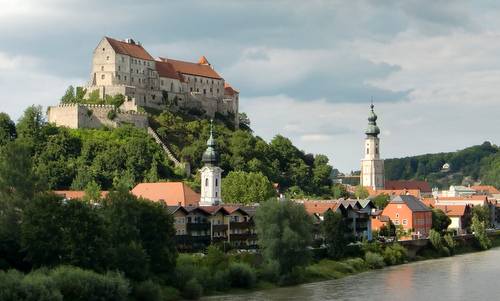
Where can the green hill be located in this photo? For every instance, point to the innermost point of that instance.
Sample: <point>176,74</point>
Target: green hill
<point>71,159</point>
<point>472,164</point>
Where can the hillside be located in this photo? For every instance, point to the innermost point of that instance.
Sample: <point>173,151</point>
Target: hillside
<point>472,164</point>
<point>71,159</point>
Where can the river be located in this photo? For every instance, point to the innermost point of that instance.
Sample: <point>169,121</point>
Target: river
<point>474,276</point>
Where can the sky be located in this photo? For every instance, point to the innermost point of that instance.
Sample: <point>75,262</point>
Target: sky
<point>305,69</point>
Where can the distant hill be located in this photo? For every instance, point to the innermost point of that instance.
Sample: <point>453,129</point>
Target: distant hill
<point>472,164</point>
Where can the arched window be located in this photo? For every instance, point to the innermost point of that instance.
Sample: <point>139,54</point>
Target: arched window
<point>206,182</point>
<point>367,151</point>
<point>216,182</point>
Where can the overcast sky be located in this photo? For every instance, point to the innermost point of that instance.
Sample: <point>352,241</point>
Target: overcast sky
<point>305,69</point>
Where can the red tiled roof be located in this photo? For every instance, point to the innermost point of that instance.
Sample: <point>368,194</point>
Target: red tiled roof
<point>429,202</point>
<point>423,186</point>
<point>165,69</point>
<point>316,207</point>
<point>75,194</point>
<point>486,188</point>
<point>453,210</point>
<point>133,50</point>
<point>392,192</point>
<point>228,90</point>
<point>193,68</point>
<point>172,193</point>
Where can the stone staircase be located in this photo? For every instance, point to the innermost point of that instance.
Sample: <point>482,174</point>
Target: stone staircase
<point>170,155</point>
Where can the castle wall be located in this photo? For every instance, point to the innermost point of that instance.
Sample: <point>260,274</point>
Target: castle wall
<point>93,116</point>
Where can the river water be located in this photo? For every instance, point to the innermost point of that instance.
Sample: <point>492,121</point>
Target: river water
<point>470,277</point>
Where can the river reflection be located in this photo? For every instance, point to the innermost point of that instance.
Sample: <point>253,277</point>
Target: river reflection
<point>466,277</point>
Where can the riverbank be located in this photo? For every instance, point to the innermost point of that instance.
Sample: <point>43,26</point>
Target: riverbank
<point>327,269</point>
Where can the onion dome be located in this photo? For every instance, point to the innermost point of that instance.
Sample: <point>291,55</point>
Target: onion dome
<point>372,129</point>
<point>211,156</point>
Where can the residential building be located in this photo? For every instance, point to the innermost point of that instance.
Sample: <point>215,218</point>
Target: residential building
<point>409,212</point>
<point>460,216</point>
<point>422,186</point>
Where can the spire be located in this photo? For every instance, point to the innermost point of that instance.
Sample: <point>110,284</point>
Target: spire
<point>210,156</point>
<point>372,129</point>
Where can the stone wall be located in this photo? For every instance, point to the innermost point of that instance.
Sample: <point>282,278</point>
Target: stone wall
<point>93,116</point>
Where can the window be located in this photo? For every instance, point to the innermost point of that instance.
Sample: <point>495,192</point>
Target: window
<point>118,76</point>
<point>119,68</point>
<point>216,182</point>
<point>195,79</point>
<point>191,89</point>
<point>107,58</point>
<point>104,49</point>
<point>396,222</point>
<point>102,76</point>
<point>125,77</point>
<point>206,182</point>
<point>171,86</point>
<point>204,91</point>
<point>397,215</point>
<point>376,150</point>
<point>216,194</point>
<point>217,91</point>
<point>405,222</point>
<point>367,151</point>
<point>102,68</point>
<point>161,82</point>
<point>123,59</point>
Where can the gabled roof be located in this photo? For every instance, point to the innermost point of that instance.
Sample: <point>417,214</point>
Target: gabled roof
<point>486,189</point>
<point>172,193</point>
<point>320,207</point>
<point>214,209</point>
<point>229,90</point>
<point>193,68</point>
<point>131,49</point>
<point>165,69</point>
<point>412,202</point>
<point>173,209</point>
<point>75,194</point>
<point>423,186</point>
<point>453,210</point>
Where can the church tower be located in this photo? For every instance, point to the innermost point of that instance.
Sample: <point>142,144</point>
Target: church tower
<point>372,167</point>
<point>211,174</point>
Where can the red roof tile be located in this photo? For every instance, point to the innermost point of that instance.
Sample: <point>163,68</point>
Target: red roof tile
<point>172,193</point>
<point>485,189</point>
<point>453,210</point>
<point>165,69</point>
<point>228,90</point>
<point>423,186</point>
<point>193,68</point>
<point>75,194</point>
<point>133,50</point>
<point>318,207</point>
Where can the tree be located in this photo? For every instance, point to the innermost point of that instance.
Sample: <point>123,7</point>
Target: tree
<point>92,193</point>
<point>31,124</point>
<point>381,200</point>
<point>479,229</point>
<point>284,229</point>
<point>361,192</point>
<point>339,191</point>
<point>483,214</point>
<point>69,95</point>
<point>16,172</point>
<point>246,187</point>
<point>335,232</point>
<point>7,129</point>
<point>440,221</point>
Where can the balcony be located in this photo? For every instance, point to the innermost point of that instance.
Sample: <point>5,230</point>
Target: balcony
<point>241,225</point>
<point>243,236</point>
<point>219,228</point>
<point>198,226</point>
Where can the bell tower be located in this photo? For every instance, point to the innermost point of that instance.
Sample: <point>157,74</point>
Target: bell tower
<point>211,174</point>
<point>372,167</point>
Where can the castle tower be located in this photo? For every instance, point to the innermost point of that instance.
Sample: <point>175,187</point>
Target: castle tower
<point>211,175</point>
<point>372,167</point>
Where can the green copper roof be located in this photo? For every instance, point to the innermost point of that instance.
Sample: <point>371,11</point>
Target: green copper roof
<point>210,156</point>
<point>372,129</point>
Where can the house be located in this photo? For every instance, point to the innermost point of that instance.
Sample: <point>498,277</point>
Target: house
<point>75,194</point>
<point>460,216</point>
<point>393,192</point>
<point>412,214</point>
<point>422,186</point>
<point>172,193</point>
<point>179,214</point>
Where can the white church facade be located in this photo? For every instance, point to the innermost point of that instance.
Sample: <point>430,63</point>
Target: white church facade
<point>372,166</point>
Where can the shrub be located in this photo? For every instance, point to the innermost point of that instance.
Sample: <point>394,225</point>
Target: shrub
<point>450,242</point>
<point>77,284</point>
<point>394,254</point>
<point>112,115</point>
<point>374,260</point>
<point>169,293</point>
<point>269,271</point>
<point>40,287</point>
<point>221,281</point>
<point>192,289</point>
<point>373,247</point>
<point>241,275</point>
<point>147,291</point>
<point>435,239</point>
<point>357,264</point>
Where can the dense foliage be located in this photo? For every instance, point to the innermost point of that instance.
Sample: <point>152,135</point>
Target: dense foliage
<point>246,188</point>
<point>480,162</point>
<point>440,221</point>
<point>334,230</point>
<point>284,229</point>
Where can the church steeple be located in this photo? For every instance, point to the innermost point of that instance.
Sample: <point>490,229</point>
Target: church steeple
<point>372,129</point>
<point>211,174</point>
<point>372,167</point>
<point>211,156</point>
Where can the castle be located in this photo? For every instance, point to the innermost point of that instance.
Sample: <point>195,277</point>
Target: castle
<point>126,68</point>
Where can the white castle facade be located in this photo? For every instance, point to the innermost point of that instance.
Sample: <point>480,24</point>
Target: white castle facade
<point>125,67</point>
